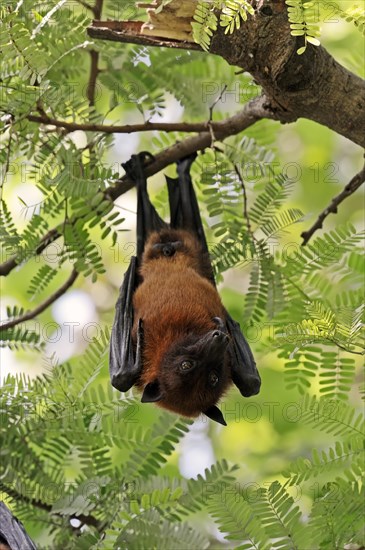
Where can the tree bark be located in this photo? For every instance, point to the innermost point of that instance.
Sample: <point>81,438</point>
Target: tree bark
<point>314,85</point>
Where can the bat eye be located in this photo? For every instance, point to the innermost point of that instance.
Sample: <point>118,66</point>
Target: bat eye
<point>213,379</point>
<point>186,365</point>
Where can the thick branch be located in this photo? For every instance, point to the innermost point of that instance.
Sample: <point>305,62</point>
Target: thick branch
<point>130,32</point>
<point>42,307</point>
<point>350,188</point>
<point>312,85</point>
<point>252,112</point>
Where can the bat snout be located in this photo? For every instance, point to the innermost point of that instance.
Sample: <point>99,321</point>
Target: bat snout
<point>220,337</point>
<point>216,341</point>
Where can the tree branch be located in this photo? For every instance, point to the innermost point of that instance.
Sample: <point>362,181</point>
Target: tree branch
<point>94,60</point>
<point>253,111</point>
<point>98,8</point>
<point>86,5</point>
<point>42,307</point>
<point>245,203</point>
<point>94,71</point>
<point>86,520</point>
<point>130,32</point>
<point>128,128</point>
<point>350,188</point>
<point>49,238</point>
<point>313,85</point>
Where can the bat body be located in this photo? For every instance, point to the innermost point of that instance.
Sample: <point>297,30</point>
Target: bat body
<point>172,336</point>
<point>179,327</point>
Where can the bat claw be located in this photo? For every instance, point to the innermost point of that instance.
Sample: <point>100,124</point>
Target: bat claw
<point>137,162</point>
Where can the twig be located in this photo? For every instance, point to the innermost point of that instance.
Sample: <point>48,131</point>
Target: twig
<point>98,9</point>
<point>245,203</point>
<point>129,32</point>
<point>49,238</point>
<point>87,520</point>
<point>86,5</point>
<point>350,188</point>
<point>42,307</point>
<point>94,71</point>
<point>94,55</point>
<point>7,163</point>
<point>253,111</point>
<point>211,109</point>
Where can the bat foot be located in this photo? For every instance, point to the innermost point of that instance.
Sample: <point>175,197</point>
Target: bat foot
<point>136,163</point>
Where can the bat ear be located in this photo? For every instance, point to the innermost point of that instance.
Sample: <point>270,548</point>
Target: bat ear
<point>215,414</point>
<point>152,392</point>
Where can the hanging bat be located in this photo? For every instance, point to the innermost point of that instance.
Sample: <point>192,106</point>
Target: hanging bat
<point>172,336</point>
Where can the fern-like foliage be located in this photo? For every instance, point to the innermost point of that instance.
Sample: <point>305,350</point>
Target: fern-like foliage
<point>117,488</point>
<point>304,17</point>
<point>345,458</point>
<point>227,14</point>
<point>75,449</point>
<point>303,22</point>
<point>233,12</point>
<point>205,23</point>
<point>341,508</point>
<point>82,421</point>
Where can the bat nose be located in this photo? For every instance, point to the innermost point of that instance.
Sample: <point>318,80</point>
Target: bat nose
<point>220,336</point>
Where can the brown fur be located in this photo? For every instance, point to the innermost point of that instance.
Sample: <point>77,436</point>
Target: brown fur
<point>175,301</point>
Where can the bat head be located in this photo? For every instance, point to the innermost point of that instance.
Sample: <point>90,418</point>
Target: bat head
<point>193,376</point>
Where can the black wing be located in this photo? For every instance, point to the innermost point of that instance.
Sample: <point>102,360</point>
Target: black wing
<point>125,362</point>
<point>244,372</point>
<point>124,366</point>
<point>185,214</point>
<point>147,218</point>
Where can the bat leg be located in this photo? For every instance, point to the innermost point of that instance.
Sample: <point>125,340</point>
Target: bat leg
<point>243,367</point>
<point>148,219</point>
<point>184,208</point>
<point>124,368</point>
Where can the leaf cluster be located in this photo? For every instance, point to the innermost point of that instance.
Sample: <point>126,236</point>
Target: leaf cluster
<point>305,17</point>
